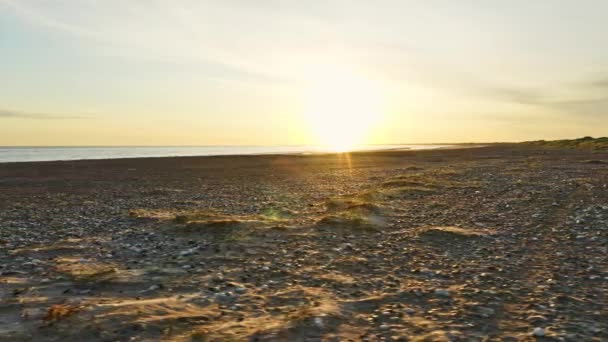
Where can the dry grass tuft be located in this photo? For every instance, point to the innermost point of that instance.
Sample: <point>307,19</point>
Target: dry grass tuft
<point>215,224</point>
<point>59,311</point>
<point>85,270</point>
<point>451,233</point>
<point>354,205</point>
<point>337,278</point>
<point>350,220</point>
<point>278,214</point>
<point>409,192</point>
<point>315,315</point>
<point>151,214</point>
<point>353,212</point>
<point>217,220</point>
<point>196,215</point>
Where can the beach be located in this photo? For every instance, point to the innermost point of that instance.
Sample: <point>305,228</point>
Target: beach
<point>504,242</point>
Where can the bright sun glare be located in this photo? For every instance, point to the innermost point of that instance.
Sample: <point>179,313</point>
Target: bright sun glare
<point>342,109</point>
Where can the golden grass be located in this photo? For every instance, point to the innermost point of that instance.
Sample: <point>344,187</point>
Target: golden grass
<point>156,214</point>
<point>336,277</point>
<point>352,204</point>
<point>278,214</point>
<point>319,304</point>
<point>350,259</point>
<point>196,215</point>
<point>350,220</point>
<point>408,192</point>
<point>84,270</point>
<point>217,224</point>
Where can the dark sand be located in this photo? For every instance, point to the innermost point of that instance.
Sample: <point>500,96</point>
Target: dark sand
<point>482,244</point>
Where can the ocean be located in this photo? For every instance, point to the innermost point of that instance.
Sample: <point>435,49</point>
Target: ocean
<point>30,154</point>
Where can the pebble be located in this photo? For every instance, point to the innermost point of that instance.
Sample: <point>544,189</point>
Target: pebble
<point>486,312</point>
<point>538,331</point>
<point>188,251</point>
<point>154,287</point>
<point>319,321</point>
<point>442,292</point>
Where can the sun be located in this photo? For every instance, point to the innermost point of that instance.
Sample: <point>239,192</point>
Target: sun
<point>342,109</point>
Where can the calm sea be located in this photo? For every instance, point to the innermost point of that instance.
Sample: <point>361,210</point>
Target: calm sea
<point>28,154</point>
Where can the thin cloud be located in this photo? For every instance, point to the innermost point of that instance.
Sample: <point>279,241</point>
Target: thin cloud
<point>13,114</point>
<point>517,95</point>
<point>597,106</point>
<point>590,107</point>
<point>185,40</point>
<point>600,83</point>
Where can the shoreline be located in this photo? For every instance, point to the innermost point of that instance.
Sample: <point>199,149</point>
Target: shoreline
<point>303,153</point>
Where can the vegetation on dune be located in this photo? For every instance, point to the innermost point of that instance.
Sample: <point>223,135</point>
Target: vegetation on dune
<point>351,220</point>
<point>353,205</point>
<point>589,143</point>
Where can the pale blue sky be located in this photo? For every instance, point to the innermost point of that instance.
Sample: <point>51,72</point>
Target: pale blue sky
<point>238,72</point>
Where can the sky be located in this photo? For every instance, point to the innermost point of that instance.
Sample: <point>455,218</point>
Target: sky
<point>230,72</point>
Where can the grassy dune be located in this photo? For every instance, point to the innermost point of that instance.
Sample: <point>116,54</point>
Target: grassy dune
<point>588,143</point>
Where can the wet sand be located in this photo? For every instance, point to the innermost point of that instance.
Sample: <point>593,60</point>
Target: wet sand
<point>496,243</point>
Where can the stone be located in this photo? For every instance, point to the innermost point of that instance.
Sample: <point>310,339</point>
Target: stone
<point>538,332</point>
<point>442,292</point>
